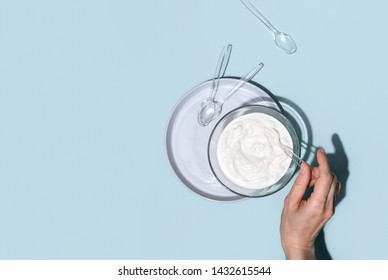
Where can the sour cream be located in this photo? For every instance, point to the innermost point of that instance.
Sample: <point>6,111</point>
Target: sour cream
<point>249,153</point>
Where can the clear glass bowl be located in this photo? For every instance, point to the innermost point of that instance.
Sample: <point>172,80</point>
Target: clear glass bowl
<point>213,159</point>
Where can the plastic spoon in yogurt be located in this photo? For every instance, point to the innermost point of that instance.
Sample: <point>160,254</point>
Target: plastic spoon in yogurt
<point>282,40</point>
<point>210,110</point>
<point>207,106</point>
<point>288,151</point>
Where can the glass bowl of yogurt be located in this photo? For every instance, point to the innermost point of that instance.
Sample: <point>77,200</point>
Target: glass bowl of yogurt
<point>246,151</point>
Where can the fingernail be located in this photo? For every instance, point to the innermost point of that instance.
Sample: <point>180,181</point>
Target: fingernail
<point>338,188</point>
<point>323,151</point>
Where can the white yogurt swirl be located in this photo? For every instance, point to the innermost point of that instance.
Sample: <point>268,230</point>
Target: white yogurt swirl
<point>249,153</point>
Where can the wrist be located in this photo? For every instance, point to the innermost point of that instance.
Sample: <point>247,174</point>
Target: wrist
<point>298,252</point>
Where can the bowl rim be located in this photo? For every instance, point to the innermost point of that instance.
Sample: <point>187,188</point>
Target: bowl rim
<point>212,146</point>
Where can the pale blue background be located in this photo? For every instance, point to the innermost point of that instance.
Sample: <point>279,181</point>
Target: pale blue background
<point>86,89</point>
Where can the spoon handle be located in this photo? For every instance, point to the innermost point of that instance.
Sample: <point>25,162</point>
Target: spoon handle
<point>247,77</point>
<point>222,63</point>
<point>288,151</point>
<point>258,14</point>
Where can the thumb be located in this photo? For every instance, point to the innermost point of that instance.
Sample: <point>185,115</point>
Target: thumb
<point>300,185</point>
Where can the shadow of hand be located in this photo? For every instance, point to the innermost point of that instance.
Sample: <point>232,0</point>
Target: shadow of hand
<point>339,166</point>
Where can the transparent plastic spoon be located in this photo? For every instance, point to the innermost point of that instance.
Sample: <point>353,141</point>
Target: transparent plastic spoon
<point>282,40</point>
<point>212,109</point>
<point>288,151</point>
<point>204,116</point>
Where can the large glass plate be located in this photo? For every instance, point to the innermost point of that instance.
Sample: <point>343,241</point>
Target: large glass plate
<point>187,141</point>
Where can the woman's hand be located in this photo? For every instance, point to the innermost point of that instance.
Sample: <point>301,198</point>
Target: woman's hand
<point>303,219</point>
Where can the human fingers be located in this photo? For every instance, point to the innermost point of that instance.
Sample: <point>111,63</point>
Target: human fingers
<point>325,177</point>
<point>300,185</point>
<point>314,176</point>
<point>332,194</point>
<point>323,162</point>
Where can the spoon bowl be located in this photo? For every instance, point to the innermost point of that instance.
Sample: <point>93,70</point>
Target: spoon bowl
<point>284,42</point>
<point>208,111</point>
